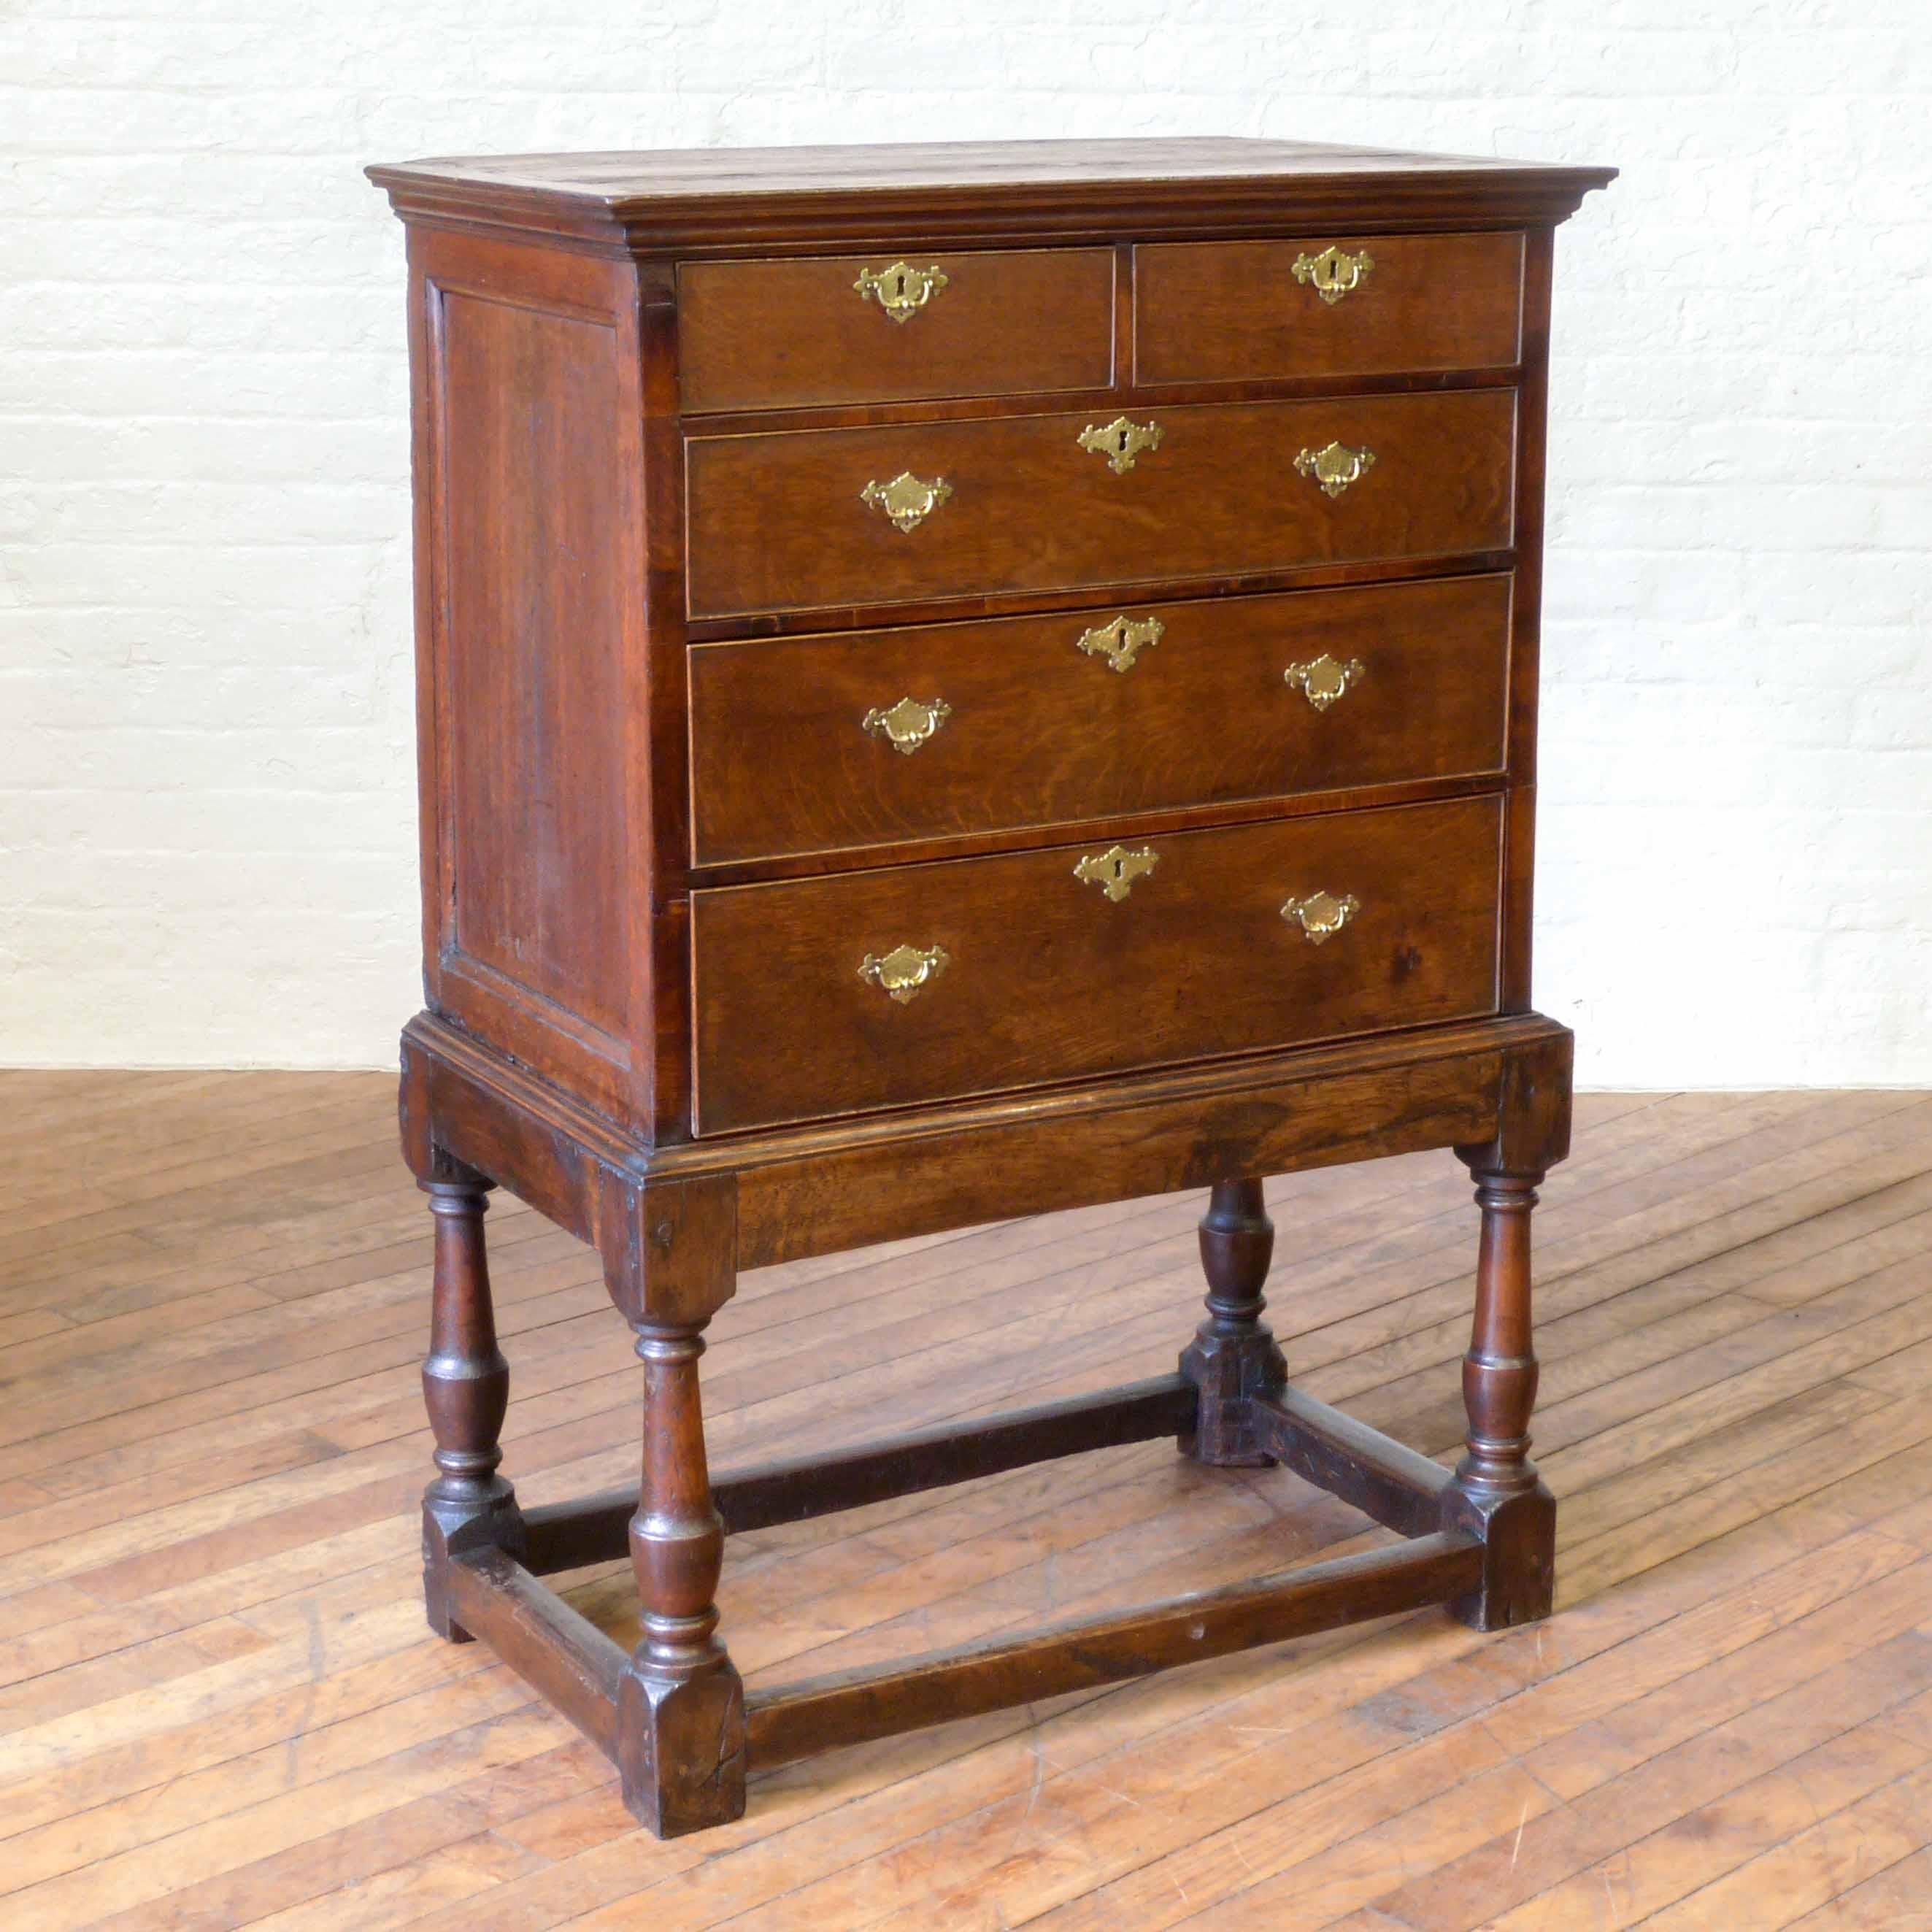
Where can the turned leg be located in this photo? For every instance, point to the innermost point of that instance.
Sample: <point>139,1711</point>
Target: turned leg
<point>1233,1354</point>
<point>681,1713</point>
<point>1497,1495</point>
<point>466,1390</point>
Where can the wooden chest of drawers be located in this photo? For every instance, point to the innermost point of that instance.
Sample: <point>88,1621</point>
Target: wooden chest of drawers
<point>954,682</point>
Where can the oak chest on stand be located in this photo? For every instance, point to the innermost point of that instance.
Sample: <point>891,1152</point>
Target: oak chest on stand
<point>955,682</point>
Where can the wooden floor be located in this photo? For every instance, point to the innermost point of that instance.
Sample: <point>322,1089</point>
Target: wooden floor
<point>219,1706</point>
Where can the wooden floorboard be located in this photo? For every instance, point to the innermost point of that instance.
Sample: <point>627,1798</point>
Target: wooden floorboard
<point>219,1705</point>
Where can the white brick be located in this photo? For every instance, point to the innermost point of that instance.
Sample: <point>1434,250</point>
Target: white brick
<point>207,843</point>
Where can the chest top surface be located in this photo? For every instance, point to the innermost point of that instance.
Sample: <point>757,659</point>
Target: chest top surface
<point>677,197</point>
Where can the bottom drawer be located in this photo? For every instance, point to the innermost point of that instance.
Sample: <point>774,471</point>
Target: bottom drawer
<point>917,983</point>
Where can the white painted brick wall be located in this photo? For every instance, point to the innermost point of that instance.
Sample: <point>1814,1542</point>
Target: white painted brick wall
<point>206,843</point>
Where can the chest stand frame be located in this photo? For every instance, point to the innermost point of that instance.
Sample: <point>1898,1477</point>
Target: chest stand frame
<point>673,1226</point>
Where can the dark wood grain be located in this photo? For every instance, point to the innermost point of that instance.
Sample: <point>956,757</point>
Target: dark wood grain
<point>895,612</point>
<point>818,1189</point>
<point>1496,1492</point>
<point>1211,311</point>
<point>727,201</point>
<point>563,1656</point>
<point>681,1702</point>
<point>657,775</point>
<point>1400,1488</point>
<point>1280,385</point>
<point>565,1536</point>
<point>1525,626</point>
<point>518,392</point>
<point>1233,1356</point>
<point>535,669</point>
<point>1047,978</point>
<point>654,612</point>
<point>1040,732</point>
<point>787,334</point>
<point>465,1384</point>
<point>778,522</point>
<point>1107,829</point>
<point>852,1706</point>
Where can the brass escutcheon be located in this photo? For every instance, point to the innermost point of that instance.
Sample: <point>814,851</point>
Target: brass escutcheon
<point>1121,441</point>
<point>1321,680</point>
<point>1335,467</point>
<point>901,972</point>
<point>1322,915</point>
<point>907,725</point>
<point>1333,273</point>
<point>1115,872</point>
<point>1120,642</point>
<point>907,499</point>
<point>901,290</point>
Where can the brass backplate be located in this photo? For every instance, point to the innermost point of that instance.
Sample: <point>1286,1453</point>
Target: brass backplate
<point>907,725</point>
<point>905,500</point>
<point>1335,466</point>
<point>1322,680</point>
<point>1333,273</point>
<point>1121,441</point>
<point>900,974</point>
<point>1322,915</point>
<point>1114,872</point>
<point>901,289</point>
<point>1120,642</point>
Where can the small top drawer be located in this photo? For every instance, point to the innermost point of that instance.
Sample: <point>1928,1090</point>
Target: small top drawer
<point>851,328</point>
<point>1222,311</point>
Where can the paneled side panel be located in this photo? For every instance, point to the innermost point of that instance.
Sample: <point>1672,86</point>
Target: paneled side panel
<point>533,672</point>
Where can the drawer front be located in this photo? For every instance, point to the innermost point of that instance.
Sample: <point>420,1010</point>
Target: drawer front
<point>1222,311</point>
<point>817,744</point>
<point>822,518</point>
<point>928,983</point>
<point>794,334</point>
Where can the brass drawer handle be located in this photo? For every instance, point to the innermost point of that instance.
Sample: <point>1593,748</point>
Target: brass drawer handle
<point>1335,467</point>
<point>1322,915</point>
<point>1121,441</point>
<point>907,725</point>
<point>901,290</point>
<point>1333,273</point>
<point>1120,642</point>
<point>906,500</point>
<point>1321,680</point>
<point>1115,872</point>
<point>901,972</point>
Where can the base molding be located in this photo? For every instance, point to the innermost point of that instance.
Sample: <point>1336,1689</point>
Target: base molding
<point>787,1193</point>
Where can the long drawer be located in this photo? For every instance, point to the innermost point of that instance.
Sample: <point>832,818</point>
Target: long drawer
<point>813,519</point>
<point>916,983</point>
<point>825,743</point>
